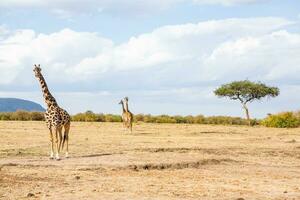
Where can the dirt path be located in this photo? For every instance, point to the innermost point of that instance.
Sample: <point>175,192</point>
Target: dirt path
<point>157,161</point>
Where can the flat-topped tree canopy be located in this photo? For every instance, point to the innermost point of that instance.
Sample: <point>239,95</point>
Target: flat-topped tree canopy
<point>246,91</point>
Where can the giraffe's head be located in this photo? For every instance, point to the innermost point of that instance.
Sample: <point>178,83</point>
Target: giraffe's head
<point>126,99</point>
<point>37,70</point>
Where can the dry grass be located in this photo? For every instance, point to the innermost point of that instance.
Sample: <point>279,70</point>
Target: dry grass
<point>156,161</point>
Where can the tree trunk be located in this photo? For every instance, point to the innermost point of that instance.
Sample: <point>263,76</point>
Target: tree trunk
<point>247,114</point>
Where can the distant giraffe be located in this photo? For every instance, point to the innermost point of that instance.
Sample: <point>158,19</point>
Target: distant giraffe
<point>56,118</point>
<point>127,116</point>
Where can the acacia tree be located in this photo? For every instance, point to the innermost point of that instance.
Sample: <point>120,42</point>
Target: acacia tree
<point>246,91</point>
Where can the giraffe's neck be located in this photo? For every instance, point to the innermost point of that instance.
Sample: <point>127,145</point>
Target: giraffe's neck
<point>123,107</point>
<point>49,99</point>
<point>126,106</point>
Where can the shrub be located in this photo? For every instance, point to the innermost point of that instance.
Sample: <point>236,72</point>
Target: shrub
<point>80,117</point>
<point>297,115</point>
<point>21,115</point>
<point>113,118</point>
<point>139,118</point>
<point>164,119</point>
<point>180,119</point>
<point>149,119</point>
<point>199,119</point>
<point>225,120</point>
<point>5,116</point>
<point>88,116</point>
<point>37,116</point>
<point>282,120</point>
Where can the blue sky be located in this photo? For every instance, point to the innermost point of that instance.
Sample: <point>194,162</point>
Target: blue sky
<point>167,56</point>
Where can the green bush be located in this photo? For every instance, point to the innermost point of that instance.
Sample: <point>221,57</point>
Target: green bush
<point>89,116</point>
<point>199,119</point>
<point>164,119</point>
<point>282,120</point>
<point>297,115</point>
<point>139,118</point>
<point>225,120</point>
<point>5,116</point>
<point>37,116</point>
<point>80,117</point>
<point>20,115</point>
<point>149,119</point>
<point>113,118</point>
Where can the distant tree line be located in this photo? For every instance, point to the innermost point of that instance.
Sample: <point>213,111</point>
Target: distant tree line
<point>280,120</point>
<point>90,116</point>
<point>22,115</point>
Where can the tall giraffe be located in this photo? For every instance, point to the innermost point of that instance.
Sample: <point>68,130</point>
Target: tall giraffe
<point>56,118</point>
<point>127,116</point>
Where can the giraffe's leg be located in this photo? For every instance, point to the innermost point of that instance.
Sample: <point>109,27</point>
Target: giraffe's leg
<point>124,126</point>
<point>67,145</point>
<point>56,142</point>
<point>128,127</point>
<point>66,138</point>
<point>51,143</point>
<point>59,138</point>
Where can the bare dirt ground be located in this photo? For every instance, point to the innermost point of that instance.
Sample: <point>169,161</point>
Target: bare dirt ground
<point>156,161</point>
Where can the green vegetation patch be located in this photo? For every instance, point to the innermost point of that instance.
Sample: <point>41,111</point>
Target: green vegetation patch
<point>282,120</point>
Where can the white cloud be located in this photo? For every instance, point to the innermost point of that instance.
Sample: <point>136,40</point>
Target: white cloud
<point>219,50</point>
<point>268,57</point>
<point>57,52</point>
<point>175,45</point>
<point>3,31</point>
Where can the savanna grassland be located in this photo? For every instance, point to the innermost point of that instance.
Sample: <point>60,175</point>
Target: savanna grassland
<point>156,161</point>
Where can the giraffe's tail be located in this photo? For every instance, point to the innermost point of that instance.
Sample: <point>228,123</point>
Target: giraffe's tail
<point>66,134</point>
<point>64,139</point>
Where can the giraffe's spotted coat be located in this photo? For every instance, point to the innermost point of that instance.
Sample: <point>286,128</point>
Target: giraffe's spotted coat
<point>56,118</point>
<point>127,116</point>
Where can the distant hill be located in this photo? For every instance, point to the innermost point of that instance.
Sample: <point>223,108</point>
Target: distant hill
<point>13,104</point>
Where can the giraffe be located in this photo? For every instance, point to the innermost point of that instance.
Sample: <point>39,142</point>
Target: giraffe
<point>56,118</point>
<point>127,116</point>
